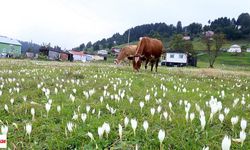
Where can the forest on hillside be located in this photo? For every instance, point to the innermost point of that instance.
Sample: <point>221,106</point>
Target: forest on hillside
<point>233,29</point>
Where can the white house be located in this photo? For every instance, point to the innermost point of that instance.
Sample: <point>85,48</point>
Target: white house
<point>234,49</point>
<point>102,52</point>
<point>175,59</point>
<point>248,50</point>
<point>78,55</point>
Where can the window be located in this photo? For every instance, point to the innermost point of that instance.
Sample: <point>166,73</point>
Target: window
<point>181,56</point>
<point>171,55</point>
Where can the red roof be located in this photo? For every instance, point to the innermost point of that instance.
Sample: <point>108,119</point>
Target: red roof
<point>77,52</point>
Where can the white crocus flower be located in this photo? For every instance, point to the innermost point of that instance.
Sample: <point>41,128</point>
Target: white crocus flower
<point>192,115</point>
<point>243,124</point>
<point>28,129</point>
<point>147,97</point>
<point>234,120</point>
<point>120,131</point>
<point>152,110</point>
<point>226,111</point>
<point>12,101</point>
<point>159,109</point>
<point>203,122</point>
<point>83,117</point>
<point>242,137</point>
<point>145,126</point>
<point>141,105</point>
<point>134,125</point>
<point>131,99</point>
<point>221,117</point>
<point>32,111</point>
<point>47,107</point>
<point>58,108</point>
<point>165,115</point>
<point>106,128</point>
<point>75,116</point>
<point>90,135</point>
<point>100,132</point>
<point>87,109</point>
<point>226,143</point>
<point>70,126</point>
<point>161,136</point>
<point>6,108</point>
<point>126,121</point>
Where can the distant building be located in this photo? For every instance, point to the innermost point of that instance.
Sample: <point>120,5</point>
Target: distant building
<point>186,38</point>
<point>178,59</point>
<point>234,49</point>
<point>9,47</point>
<point>98,57</point>
<point>30,55</point>
<point>56,54</point>
<point>102,52</point>
<point>248,50</point>
<point>78,55</point>
<point>209,33</point>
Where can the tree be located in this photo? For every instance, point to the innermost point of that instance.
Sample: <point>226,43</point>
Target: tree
<point>179,44</point>
<point>96,47</point>
<point>179,27</point>
<point>176,42</point>
<point>226,26</point>
<point>243,22</point>
<point>154,34</point>
<point>213,43</point>
<point>82,47</point>
<point>89,44</point>
<point>194,29</point>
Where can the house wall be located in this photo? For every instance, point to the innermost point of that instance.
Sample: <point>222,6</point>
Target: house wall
<point>30,55</point>
<point>79,58</point>
<point>64,57</point>
<point>10,49</point>
<point>53,55</point>
<point>176,58</point>
<point>234,50</point>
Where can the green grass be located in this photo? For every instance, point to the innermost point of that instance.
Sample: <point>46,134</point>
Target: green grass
<point>50,132</point>
<point>199,45</point>
<point>228,61</point>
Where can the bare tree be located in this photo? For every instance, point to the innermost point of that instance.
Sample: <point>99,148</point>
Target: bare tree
<point>213,43</point>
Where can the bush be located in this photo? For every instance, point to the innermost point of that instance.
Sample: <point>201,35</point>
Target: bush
<point>42,57</point>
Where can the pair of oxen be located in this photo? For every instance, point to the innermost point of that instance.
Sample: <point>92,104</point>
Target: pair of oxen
<point>147,49</point>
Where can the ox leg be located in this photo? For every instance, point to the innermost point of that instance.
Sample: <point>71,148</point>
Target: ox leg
<point>152,64</point>
<point>146,63</point>
<point>156,64</point>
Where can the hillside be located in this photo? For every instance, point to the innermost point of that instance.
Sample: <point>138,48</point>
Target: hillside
<point>235,30</point>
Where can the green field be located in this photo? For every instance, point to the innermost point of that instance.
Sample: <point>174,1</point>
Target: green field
<point>227,61</point>
<point>110,92</point>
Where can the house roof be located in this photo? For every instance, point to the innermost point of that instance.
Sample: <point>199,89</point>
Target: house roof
<point>76,52</point>
<point>235,46</point>
<point>4,39</point>
<point>59,51</point>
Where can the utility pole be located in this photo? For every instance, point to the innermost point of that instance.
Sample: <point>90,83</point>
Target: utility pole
<point>128,35</point>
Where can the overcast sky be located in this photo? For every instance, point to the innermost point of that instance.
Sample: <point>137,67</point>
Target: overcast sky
<point>68,23</point>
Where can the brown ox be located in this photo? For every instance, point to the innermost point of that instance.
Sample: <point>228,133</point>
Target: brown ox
<point>126,52</point>
<point>149,49</point>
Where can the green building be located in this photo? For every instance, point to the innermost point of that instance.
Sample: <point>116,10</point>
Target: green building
<point>9,47</point>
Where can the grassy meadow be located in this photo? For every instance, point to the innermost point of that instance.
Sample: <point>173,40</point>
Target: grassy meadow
<point>67,103</point>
